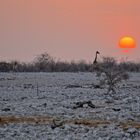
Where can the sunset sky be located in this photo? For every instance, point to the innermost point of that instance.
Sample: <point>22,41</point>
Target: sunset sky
<point>68,29</point>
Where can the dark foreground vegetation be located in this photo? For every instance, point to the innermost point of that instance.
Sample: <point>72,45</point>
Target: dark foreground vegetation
<point>45,63</point>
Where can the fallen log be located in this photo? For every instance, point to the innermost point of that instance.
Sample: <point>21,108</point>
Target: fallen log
<point>81,104</point>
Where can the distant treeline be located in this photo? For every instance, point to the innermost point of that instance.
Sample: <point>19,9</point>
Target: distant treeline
<point>45,63</point>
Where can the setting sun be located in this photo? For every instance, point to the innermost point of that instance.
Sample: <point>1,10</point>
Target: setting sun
<point>127,42</point>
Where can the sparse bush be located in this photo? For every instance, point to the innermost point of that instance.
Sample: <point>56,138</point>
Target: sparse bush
<point>130,66</point>
<point>111,74</point>
<point>15,66</point>
<point>46,63</point>
<point>5,67</point>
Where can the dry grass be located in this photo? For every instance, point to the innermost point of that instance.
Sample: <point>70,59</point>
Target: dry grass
<point>126,125</point>
<point>50,120</point>
<point>90,123</point>
<point>29,120</point>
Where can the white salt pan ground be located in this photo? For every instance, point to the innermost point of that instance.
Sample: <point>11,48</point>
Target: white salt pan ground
<point>55,95</point>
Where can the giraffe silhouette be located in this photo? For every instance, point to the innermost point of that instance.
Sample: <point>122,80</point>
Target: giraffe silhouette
<point>95,60</point>
<point>94,65</point>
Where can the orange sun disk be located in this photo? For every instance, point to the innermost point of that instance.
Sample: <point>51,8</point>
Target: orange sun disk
<point>127,43</point>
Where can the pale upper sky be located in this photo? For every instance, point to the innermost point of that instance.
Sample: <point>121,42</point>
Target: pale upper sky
<point>67,29</point>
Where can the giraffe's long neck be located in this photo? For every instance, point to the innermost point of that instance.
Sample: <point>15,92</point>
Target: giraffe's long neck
<point>95,60</point>
<point>96,57</point>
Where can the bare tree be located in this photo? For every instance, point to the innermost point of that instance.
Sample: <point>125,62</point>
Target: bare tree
<point>43,61</point>
<point>111,74</point>
<point>14,65</point>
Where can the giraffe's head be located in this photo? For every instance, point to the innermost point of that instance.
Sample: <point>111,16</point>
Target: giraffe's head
<point>97,52</point>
